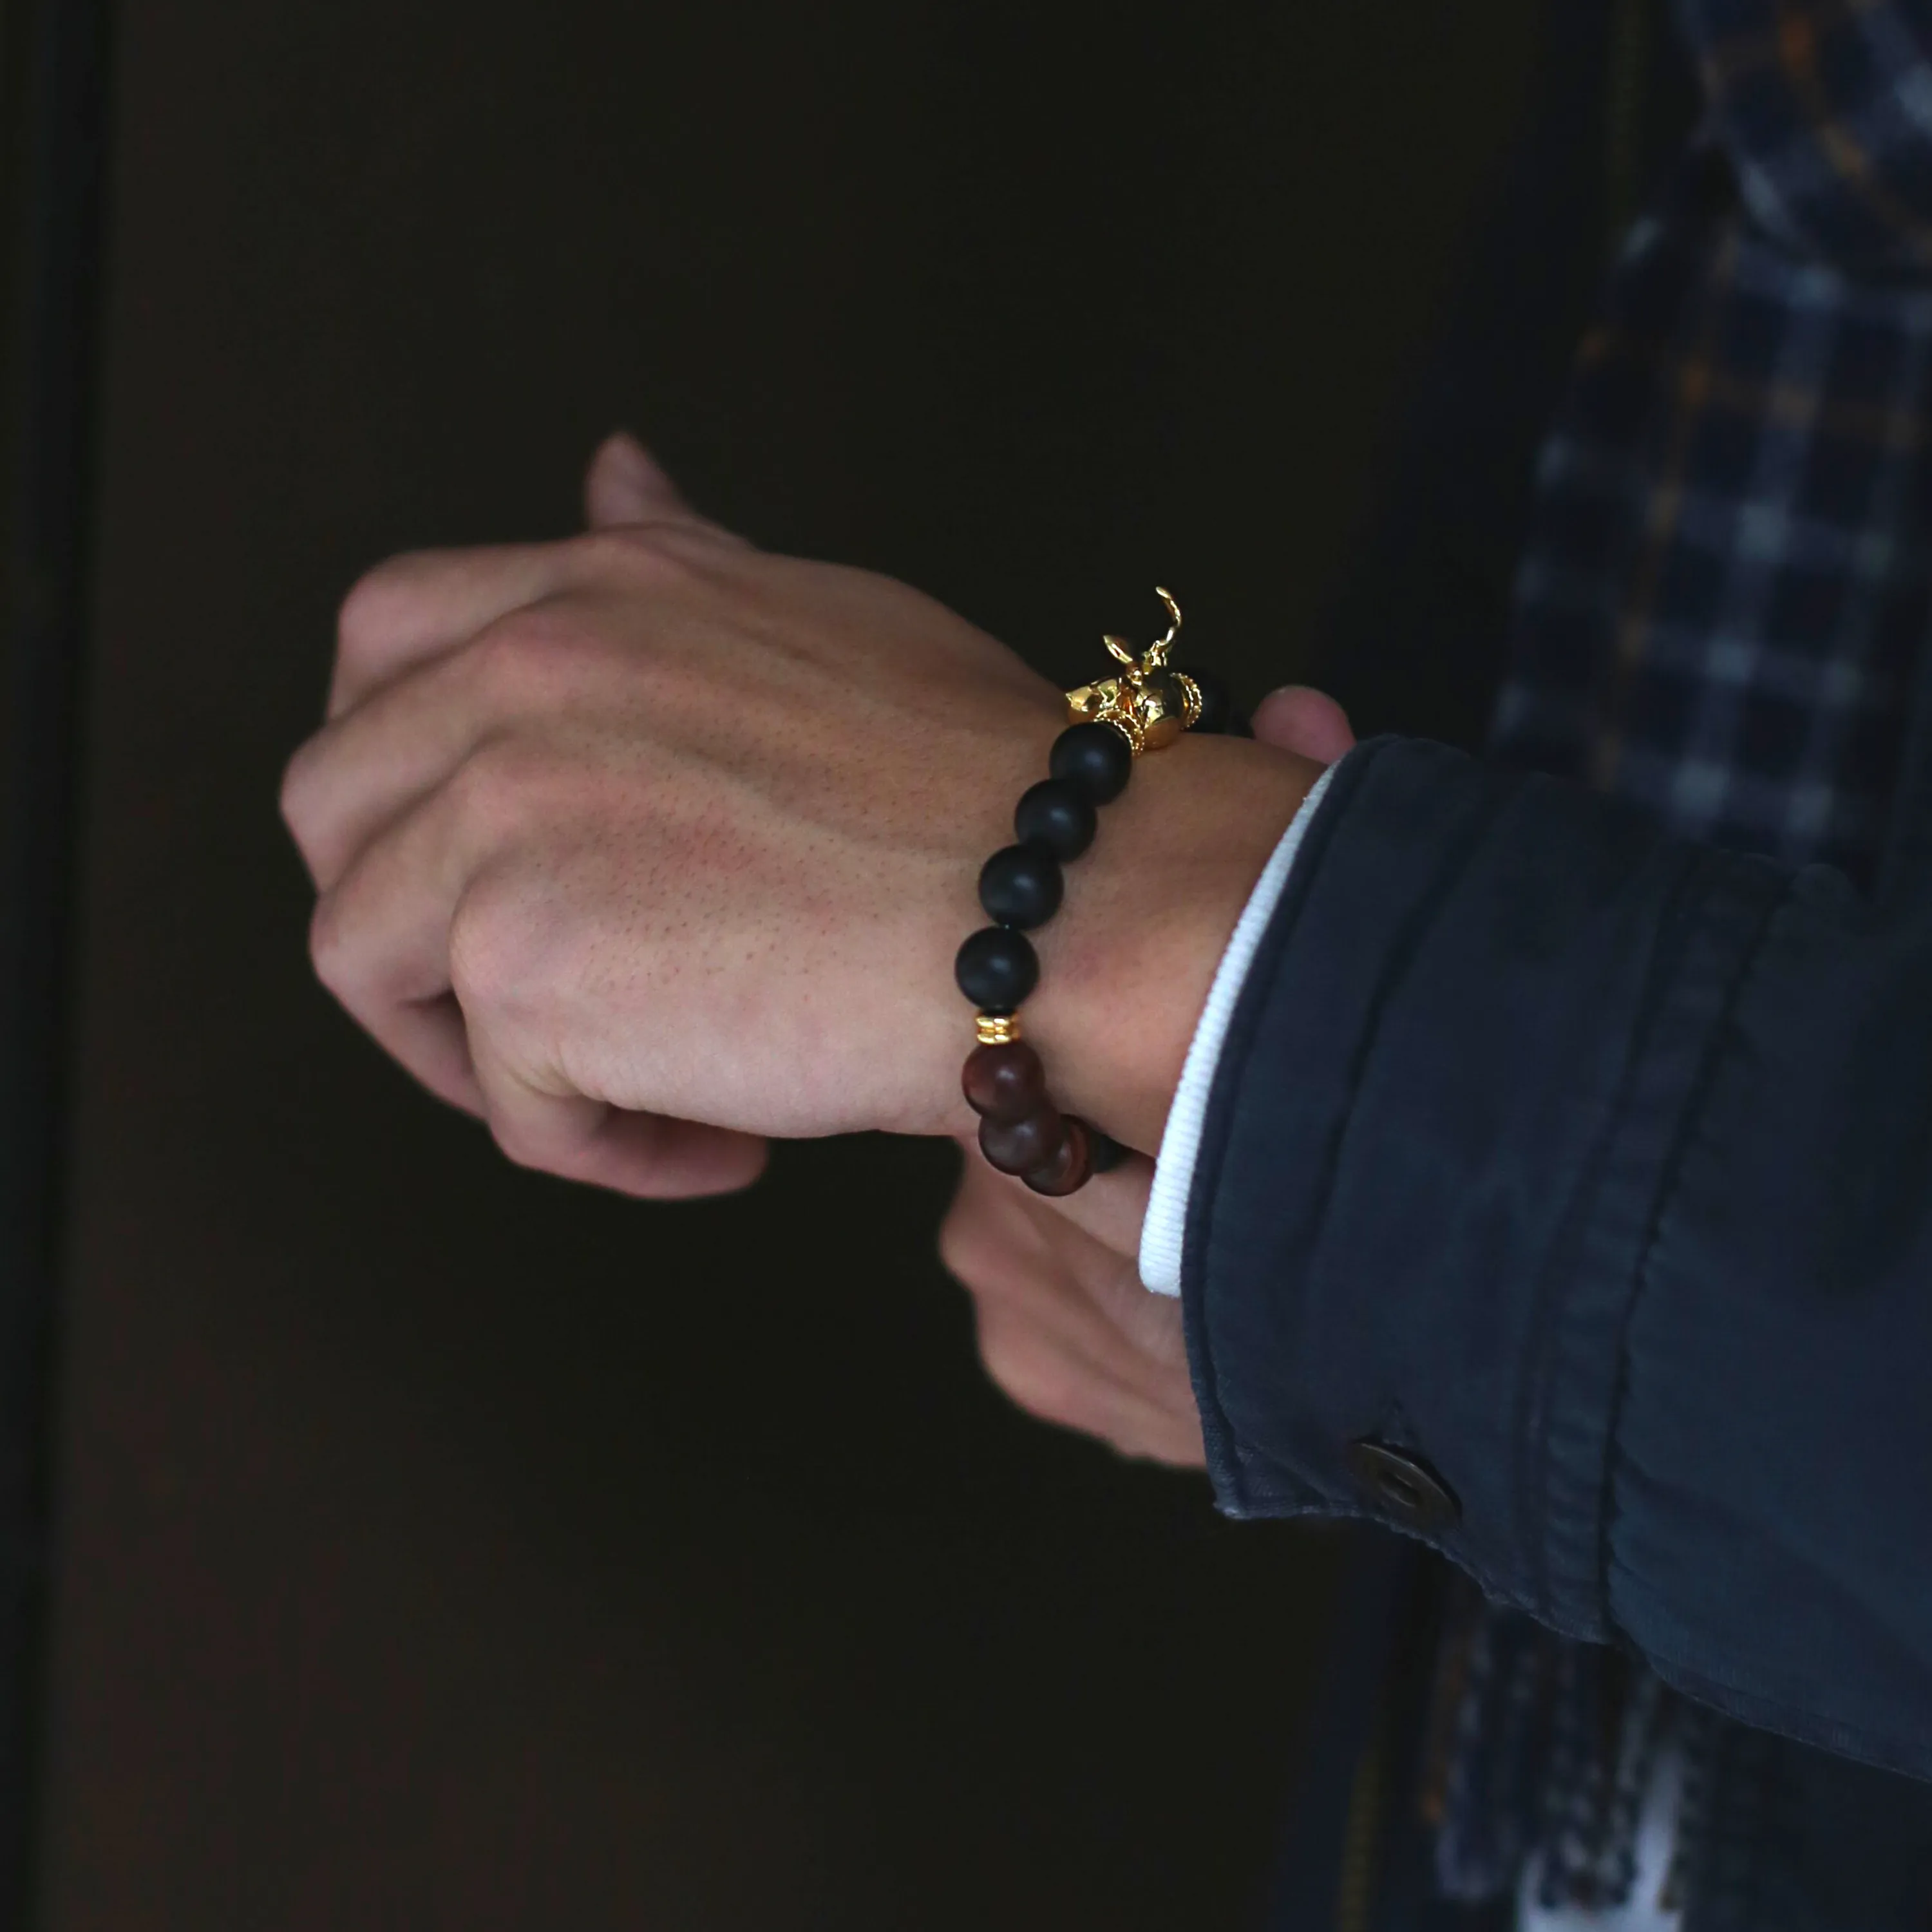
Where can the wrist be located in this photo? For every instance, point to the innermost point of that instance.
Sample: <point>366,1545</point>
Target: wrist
<point>1127,966</point>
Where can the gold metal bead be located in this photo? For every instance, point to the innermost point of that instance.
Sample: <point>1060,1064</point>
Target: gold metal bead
<point>1163,710</point>
<point>996,1029</point>
<point>1148,704</point>
<point>1111,701</point>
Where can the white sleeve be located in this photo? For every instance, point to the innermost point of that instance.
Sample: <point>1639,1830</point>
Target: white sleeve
<point>1174,1172</point>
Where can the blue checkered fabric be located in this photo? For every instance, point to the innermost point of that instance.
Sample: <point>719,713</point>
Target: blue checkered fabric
<point>1723,598</point>
<point>1722,609</point>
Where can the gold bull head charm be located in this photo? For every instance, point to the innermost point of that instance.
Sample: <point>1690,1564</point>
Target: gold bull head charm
<point>1149,704</point>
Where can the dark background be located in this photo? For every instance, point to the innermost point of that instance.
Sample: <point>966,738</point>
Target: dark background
<point>441,1546</point>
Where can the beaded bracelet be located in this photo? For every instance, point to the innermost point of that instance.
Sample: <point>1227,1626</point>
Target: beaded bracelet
<point>1146,705</point>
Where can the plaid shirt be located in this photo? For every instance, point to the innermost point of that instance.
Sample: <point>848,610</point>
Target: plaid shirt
<point>1723,600</point>
<point>1721,613</point>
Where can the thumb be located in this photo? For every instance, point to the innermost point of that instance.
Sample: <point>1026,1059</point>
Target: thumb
<point>625,485</point>
<point>1308,722</point>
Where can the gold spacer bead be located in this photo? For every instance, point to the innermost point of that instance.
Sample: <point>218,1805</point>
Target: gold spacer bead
<point>996,1029</point>
<point>1190,699</point>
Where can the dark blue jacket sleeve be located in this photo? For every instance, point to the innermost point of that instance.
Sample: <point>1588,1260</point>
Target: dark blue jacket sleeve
<point>1592,1172</point>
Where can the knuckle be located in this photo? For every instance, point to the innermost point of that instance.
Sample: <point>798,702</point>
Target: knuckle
<point>540,660</point>
<point>331,948</point>
<point>487,956</point>
<point>510,963</point>
<point>510,660</point>
<point>313,809</point>
<point>295,799</point>
<point>492,794</point>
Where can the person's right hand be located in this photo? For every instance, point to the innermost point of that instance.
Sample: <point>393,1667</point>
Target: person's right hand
<point>646,845</point>
<point>1065,1328</point>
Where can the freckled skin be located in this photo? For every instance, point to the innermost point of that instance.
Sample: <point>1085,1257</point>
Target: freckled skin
<point>645,845</point>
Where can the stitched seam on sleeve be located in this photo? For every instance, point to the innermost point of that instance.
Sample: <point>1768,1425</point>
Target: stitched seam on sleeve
<point>1696,1098</point>
<point>1552,1307</point>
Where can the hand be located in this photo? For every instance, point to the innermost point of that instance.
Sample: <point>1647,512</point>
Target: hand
<point>1065,1327</point>
<point>644,845</point>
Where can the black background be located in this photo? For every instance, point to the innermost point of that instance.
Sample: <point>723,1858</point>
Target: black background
<point>444,1546</point>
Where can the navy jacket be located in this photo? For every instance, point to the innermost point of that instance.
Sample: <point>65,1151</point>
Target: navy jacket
<point>1565,1200</point>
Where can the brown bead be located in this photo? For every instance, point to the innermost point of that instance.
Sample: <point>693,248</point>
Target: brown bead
<point>1004,1083</point>
<point>1067,1171</point>
<point>1019,1146</point>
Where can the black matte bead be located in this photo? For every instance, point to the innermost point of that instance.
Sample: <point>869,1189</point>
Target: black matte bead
<point>1105,1153</point>
<point>1021,885</point>
<point>1057,813</point>
<point>1217,703</point>
<point>1095,757</point>
<point>996,968</point>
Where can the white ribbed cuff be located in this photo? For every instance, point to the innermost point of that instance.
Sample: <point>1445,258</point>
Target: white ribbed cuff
<point>1166,1223</point>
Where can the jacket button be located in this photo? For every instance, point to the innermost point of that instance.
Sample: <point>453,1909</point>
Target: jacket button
<point>1408,1489</point>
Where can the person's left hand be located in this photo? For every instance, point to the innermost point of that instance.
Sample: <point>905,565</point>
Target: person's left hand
<point>646,829</point>
<point>1066,1331</point>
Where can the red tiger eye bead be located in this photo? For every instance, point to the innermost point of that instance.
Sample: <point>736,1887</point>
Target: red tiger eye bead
<point>1067,1171</point>
<point>1004,1083</point>
<point>1019,1146</point>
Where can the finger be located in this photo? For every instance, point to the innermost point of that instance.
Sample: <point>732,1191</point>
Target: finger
<point>1036,1370</point>
<point>427,1039</point>
<point>1308,722</point>
<point>577,1139</point>
<point>364,769</point>
<point>1109,1209</point>
<point>1007,1245</point>
<point>409,730</point>
<point>626,484</point>
<point>1151,1325</point>
<point>379,940</point>
<point>416,608</point>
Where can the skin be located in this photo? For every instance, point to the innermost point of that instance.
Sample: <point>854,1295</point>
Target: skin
<point>645,846</point>
<point>1065,1328</point>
